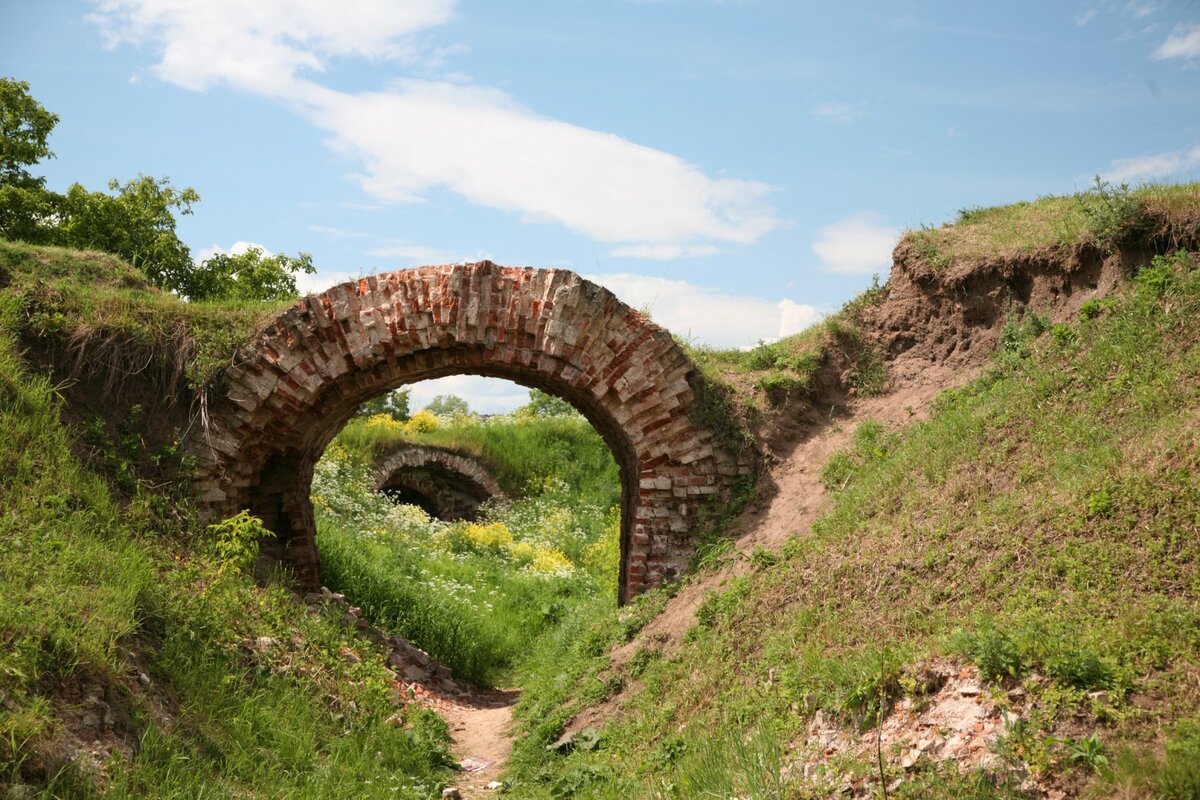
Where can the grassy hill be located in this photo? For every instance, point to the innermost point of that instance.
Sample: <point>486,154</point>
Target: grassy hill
<point>1039,533</point>
<point>1029,549</point>
<point>140,657</point>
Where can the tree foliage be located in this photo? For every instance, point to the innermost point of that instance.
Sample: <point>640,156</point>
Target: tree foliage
<point>448,405</point>
<point>394,404</point>
<point>252,275</point>
<point>544,404</point>
<point>24,133</point>
<point>135,221</point>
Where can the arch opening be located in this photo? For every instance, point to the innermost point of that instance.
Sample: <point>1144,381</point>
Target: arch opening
<point>313,367</point>
<point>446,484</point>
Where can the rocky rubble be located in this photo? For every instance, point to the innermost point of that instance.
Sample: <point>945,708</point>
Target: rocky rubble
<point>953,719</point>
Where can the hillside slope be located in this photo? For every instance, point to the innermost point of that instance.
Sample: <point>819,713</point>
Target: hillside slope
<point>1012,580</point>
<point>139,655</point>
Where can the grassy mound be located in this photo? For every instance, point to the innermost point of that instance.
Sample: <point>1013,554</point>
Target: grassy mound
<point>139,658</point>
<point>1043,525</point>
<point>1166,216</point>
<point>477,595</point>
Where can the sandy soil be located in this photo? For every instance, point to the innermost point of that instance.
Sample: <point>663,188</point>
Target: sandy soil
<point>480,723</point>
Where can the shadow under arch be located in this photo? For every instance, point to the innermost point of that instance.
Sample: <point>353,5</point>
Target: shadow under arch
<point>307,373</point>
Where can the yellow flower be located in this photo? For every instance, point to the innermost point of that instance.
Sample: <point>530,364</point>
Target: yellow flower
<point>548,561</point>
<point>494,536</point>
<point>422,422</point>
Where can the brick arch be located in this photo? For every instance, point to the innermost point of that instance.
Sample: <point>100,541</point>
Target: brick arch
<point>454,484</point>
<point>308,371</point>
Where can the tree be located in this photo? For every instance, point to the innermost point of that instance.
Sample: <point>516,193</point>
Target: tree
<point>136,223</point>
<point>251,275</point>
<point>25,127</point>
<point>394,404</point>
<point>27,210</point>
<point>544,404</point>
<point>448,405</point>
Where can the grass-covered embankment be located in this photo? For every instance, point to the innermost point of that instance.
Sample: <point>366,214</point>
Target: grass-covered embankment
<point>139,658</point>
<point>1043,524</point>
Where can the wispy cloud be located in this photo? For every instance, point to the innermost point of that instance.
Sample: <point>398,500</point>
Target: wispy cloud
<point>1182,42</point>
<point>710,316</point>
<point>1154,165</point>
<point>857,245</point>
<point>335,233</point>
<point>235,249</point>
<point>422,135</point>
<point>838,112</point>
<point>1141,10</point>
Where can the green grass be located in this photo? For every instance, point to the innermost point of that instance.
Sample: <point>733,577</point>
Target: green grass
<point>1106,216</point>
<point>105,312</point>
<point>475,596</point>
<point>244,693</point>
<point>1043,521</point>
<point>524,452</point>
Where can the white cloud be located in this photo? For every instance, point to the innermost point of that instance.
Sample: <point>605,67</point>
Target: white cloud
<point>235,249</point>
<point>708,315</point>
<point>838,112</point>
<point>665,252</point>
<point>422,135</point>
<point>1155,165</point>
<point>335,233</point>
<point>1141,10</point>
<point>322,280</point>
<point>483,145</point>
<point>857,245</point>
<point>483,395</point>
<point>261,45</point>
<point>1183,42</point>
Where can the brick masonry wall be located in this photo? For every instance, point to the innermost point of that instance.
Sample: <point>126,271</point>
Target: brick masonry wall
<point>295,387</point>
<point>454,483</point>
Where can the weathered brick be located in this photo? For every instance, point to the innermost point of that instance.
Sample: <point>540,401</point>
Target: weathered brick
<point>320,359</point>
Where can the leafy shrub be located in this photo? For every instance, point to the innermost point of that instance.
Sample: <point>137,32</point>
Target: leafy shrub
<point>236,540</point>
<point>1080,667</point>
<point>1062,334</point>
<point>993,651</point>
<point>1112,213</point>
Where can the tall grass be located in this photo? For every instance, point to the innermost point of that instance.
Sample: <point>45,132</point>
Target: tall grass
<point>476,596</point>
<point>524,451</point>
<point>212,685</point>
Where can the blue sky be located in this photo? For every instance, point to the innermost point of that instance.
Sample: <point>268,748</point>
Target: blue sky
<point>737,168</point>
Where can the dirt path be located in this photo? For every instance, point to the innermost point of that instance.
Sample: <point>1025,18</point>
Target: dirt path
<point>480,722</point>
<point>792,498</point>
